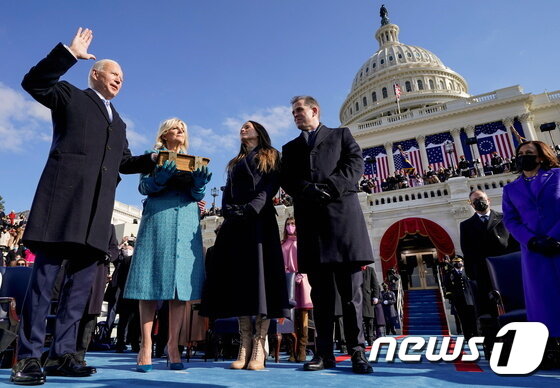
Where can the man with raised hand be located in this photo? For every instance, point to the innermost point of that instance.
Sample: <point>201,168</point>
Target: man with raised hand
<point>71,213</point>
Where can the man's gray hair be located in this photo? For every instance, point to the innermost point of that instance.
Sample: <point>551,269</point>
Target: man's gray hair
<point>307,100</point>
<point>99,66</point>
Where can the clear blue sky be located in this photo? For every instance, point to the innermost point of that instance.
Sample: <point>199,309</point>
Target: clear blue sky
<point>217,63</point>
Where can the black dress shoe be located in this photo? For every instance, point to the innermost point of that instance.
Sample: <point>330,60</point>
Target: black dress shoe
<point>360,364</point>
<point>83,363</point>
<point>28,372</point>
<point>67,366</point>
<point>320,363</point>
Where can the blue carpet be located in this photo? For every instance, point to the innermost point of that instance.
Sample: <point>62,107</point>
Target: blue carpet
<point>117,370</point>
<point>423,313</point>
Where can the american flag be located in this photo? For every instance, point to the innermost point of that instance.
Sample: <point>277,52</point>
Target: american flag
<point>412,153</point>
<point>437,155</point>
<point>397,90</point>
<point>380,167</point>
<point>493,137</point>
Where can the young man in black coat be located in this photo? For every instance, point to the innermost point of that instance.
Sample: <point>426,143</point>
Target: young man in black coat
<point>71,213</point>
<point>320,171</point>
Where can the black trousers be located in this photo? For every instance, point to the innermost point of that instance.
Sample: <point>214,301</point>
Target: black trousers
<point>325,281</point>
<point>74,295</point>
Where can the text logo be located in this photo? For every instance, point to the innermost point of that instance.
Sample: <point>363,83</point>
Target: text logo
<point>519,352</point>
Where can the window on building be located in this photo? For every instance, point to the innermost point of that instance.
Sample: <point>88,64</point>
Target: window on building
<point>400,56</point>
<point>420,85</point>
<point>357,106</point>
<point>408,86</point>
<point>390,57</point>
<point>364,101</point>
<point>441,86</point>
<point>432,85</point>
<point>374,97</point>
<point>384,92</point>
<point>373,65</point>
<point>382,61</point>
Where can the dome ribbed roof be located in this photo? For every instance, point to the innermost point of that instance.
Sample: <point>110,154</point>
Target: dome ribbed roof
<point>422,77</point>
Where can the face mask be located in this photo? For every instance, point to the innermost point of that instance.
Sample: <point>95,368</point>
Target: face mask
<point>480,205</point>
<point>291,229</point>
<point>526,162</point>
<point>458,265</point>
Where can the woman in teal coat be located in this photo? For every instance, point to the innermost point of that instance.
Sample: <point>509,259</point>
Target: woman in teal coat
<point>168,260</point>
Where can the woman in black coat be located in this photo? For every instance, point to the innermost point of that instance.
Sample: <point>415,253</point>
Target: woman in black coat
<point>246,277</point>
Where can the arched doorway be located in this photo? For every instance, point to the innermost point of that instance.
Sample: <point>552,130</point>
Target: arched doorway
<point>414,246</point>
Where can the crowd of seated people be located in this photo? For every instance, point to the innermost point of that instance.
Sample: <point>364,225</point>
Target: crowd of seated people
<point>14,253</point>
<point>282,199</point>
<point>402,179</point>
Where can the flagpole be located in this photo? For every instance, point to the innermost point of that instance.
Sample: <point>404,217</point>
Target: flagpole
<point>398,106</point>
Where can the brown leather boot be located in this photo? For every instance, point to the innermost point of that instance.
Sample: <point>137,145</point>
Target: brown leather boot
<point>258,358</point>
<point>245,343</point>
<point>302,332</point>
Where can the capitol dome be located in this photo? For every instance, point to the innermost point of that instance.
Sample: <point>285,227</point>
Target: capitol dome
<point>422,77</point>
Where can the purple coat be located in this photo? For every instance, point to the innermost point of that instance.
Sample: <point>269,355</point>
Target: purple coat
<point>533,209</point>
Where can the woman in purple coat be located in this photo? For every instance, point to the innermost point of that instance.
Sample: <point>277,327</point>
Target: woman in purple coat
<point>531,206</point>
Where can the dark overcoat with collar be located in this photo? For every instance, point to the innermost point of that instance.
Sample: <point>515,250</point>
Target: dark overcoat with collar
<point>246,274</point>
<point>74,201</point>
<point>479,241</point>
<point>370,290</point>
<point>532,209</point>
<point>335,232</point>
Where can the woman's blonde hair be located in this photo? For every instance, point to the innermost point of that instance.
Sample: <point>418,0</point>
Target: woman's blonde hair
<point>164,127</point>
<point>267,157</point>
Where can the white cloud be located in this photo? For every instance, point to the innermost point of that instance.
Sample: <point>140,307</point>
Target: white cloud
<point>136,140</point>
<point>276,120</point>
<point>21,120</point>
<point>207,140</point>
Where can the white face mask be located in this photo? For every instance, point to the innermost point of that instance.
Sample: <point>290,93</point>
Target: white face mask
<point>128,251</point>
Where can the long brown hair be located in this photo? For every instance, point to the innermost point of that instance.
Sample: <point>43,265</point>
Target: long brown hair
<point>286,224</point>
<point>544,152</point>
<point>267,156</point>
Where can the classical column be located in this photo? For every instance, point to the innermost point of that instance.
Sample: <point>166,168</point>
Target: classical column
<point>390,159</point>
<point>469,130</point>
<point>456,134</point>
<point>423,154</point>
<point>508,123</point>
<point>528,127</point>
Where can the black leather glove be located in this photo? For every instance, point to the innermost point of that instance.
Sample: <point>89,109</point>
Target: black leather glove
<point>237,211</point>
<point>317,192</point>
<point>544,245</point>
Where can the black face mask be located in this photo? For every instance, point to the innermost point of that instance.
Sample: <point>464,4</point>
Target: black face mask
<point>526,162</point>
<point>480,205</point>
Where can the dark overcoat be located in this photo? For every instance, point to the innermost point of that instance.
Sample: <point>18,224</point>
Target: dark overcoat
<point>370,290</point>
<point>75,197</point>
<point>246,274</point>
<point>480,240</point>
<point>335,232</point>
<point>533,209</point>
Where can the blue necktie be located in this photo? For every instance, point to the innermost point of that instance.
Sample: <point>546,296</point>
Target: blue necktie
<point>484,219</point>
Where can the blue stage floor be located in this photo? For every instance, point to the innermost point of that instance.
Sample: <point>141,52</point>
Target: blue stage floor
<point>117,370</point>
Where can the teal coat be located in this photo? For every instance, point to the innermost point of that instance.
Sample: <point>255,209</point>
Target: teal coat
<point>168,260</point>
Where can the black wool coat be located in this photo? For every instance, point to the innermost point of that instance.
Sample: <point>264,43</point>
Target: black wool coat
<point>479,241</point>
<point>245,275</point>
<point>74,201</point>
<point>335,232</point>
<point>370,290</point>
